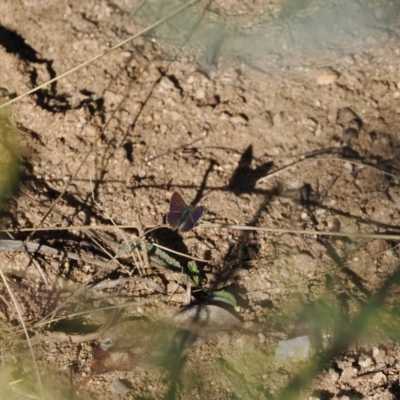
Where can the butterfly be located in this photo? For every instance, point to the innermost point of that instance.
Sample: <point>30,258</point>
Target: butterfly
<point>182,216</point>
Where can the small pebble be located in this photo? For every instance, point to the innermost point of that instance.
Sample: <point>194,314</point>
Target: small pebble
<point>238,120</point>
<point>297,347</point>
<point>166,83</point>
<point>348,166</point>
<point>72,189</point>
<point>379,378</point>
<point>352,228</point>
<point>346,115</point>
<point>200,94</point>
<point>175,116</point>
<point>285,273</point>
<point>375,352</point>
<point>248,325</point>
<point>224,116</point>
<point>240,342</point>
<point>231,75</point>
<point>213,101</point>
<point>106,344</point>
<point>365,362</point>
<point>311,124</point>
<point>120,387</point>
<point>326,76</point>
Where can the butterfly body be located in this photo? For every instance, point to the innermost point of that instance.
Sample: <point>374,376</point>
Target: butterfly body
<point>181,216</point>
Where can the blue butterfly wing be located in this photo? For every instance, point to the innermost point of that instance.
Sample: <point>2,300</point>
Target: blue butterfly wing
<point>177,207</point>
<point>191,220</point>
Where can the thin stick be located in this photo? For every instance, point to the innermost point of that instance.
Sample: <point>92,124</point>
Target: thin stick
<point>221,226</point>
<point>178,253</point>
<point>309,158</point>
<point>302,232</point>
<point>359,164</point>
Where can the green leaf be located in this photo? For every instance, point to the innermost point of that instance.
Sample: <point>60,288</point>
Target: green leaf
<point>224,296</point>
<point>155,254</point>
<point>194,271</point>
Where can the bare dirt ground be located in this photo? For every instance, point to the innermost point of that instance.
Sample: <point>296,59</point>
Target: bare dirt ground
<point>269,115</point>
